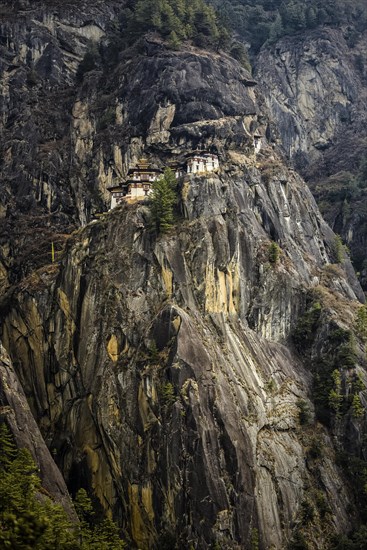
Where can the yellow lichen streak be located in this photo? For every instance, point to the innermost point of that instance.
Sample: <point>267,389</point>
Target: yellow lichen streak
<point>166,273</point>
<point>66,309</point>
<point>167,277</point>
<point>113,348</point>
<point>139,529</point>
<point>222,290</point>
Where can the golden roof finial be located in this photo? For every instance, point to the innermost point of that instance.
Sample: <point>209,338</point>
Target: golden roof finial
<point>143,163</point>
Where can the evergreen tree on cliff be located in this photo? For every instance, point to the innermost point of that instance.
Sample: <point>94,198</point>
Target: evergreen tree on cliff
<point>163,200</point>
<point>177,20</point>
<point>30,520</point>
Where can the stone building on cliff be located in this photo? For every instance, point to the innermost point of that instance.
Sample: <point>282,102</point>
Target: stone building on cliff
<point>137,185</point>
<point>202,161</point>
<point>139,180</point>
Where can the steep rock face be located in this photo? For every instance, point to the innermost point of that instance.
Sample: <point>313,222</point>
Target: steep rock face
<point>149,104</point>
<point>66,136</point>
<point>15,410</point>
<point>41,47</point>
<point>315,87</point>
<point>160,369</point>
<point>151,384</point>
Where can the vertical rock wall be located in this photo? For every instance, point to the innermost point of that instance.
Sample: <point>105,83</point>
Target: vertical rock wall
<point>160,369</point>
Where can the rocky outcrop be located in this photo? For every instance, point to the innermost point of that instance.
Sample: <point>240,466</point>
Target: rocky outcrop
<point>41,47</point>
<point>55,168</point>
<point>315,88</point>
<point>160,369</point>
<point>15,410</point>
<point>163,380</point>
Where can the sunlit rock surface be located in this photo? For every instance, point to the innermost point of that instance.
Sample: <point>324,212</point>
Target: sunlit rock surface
<point>160,369</point>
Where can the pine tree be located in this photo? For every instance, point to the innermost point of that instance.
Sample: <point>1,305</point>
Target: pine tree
<point>276,29</point>
<point>311,18</point>
<point>106,536</point>
<point>357,407</point>
<point>83,506</point>
<point>361,323</point>
<point>362,174</point>
<point>293,16</point>
<point>95,535</point>
<point>7,446</point>
<point>31,521</point>
<point>26,522</point>
<point>162,201</point>
<point>174,41</point>
<point>335,395</point>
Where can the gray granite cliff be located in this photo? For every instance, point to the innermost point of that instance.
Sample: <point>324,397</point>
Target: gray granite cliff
<point>162,370</point>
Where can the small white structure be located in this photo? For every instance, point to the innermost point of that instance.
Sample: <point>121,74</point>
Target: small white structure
<point>117,195</point>
<point>177,168</point>
<point>257,143</point>
<point>137,186</point>
<point>202,161</point>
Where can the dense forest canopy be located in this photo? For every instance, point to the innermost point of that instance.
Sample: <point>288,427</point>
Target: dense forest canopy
<point>176,20</point>
<point>258,21</point>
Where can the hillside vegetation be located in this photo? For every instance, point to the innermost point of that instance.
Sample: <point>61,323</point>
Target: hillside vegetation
<point>259,21</point>
<point>29,518</point>
<point>176,20</point>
